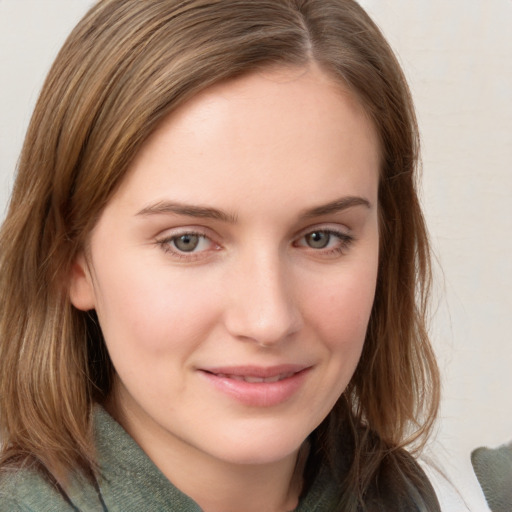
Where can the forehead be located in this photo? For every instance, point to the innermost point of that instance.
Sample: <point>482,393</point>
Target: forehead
<point>270,133</point>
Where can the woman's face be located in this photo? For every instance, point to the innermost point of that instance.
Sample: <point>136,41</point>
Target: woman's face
<point>233,272</point>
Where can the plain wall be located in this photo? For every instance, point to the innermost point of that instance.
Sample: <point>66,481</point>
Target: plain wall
<point>457,55</point>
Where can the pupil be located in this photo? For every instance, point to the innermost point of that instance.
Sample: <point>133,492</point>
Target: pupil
<point>318,239</point>
<point>186,243</point>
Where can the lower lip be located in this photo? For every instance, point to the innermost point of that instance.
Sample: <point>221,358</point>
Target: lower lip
<point>259,394</point>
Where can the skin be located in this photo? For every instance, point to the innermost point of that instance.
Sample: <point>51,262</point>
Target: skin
<point>273,280</point>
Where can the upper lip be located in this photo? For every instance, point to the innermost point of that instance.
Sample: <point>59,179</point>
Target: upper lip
<point>262,372</point>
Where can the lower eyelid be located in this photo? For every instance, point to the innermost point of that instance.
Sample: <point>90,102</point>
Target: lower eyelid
<point>342,244</point>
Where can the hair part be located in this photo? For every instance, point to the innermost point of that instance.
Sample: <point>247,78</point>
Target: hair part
<point>124,68</point>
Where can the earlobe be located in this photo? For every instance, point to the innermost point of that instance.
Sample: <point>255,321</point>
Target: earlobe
<point>81,291</point>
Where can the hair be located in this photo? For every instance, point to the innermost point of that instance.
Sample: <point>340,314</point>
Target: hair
<point>126,66</point>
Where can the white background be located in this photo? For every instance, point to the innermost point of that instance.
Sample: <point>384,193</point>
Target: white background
<point>457,55</point>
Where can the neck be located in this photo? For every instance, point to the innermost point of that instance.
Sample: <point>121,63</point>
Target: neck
<point>218,485</point>
<point>235,488</point>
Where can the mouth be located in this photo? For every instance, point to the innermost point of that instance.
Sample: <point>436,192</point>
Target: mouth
<point>258,386</point>
<point>254,379</point>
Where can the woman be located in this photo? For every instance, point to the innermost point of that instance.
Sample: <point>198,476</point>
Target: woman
<point>214,268</point>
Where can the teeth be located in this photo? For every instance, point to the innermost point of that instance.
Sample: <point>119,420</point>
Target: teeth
<point>253,380</point>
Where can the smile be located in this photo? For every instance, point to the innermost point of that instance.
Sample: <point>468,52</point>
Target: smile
<point>257,386</point>
<point>253,379</point>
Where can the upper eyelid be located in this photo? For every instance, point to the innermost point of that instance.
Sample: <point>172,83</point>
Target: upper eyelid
<point>174,232</point>
<point>330,227</point>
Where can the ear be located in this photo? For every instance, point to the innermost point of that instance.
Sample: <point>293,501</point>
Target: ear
<point>81,290</point>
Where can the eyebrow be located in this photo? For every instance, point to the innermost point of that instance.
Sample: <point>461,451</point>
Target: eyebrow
<point>206,212</point>
<point>337,205</point>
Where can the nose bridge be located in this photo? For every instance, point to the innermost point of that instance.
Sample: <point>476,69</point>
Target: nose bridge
<point>262,307</point>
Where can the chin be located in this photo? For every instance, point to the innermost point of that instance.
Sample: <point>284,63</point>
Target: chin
<point>260,446</point>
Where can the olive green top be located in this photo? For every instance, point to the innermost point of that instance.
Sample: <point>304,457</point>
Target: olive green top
<point>130,482</point>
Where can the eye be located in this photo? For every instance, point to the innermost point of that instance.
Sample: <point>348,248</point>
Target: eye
<point>318,239</point>
<point>187,244</point>
<point>325,241</point>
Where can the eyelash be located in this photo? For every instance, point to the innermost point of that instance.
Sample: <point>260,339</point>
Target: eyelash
<point>167,244</point>
<point>345,241</point>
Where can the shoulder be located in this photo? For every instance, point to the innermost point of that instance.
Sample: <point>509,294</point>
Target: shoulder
<point>28,491</point>
<point>394,482</point>
<point>400,484</point>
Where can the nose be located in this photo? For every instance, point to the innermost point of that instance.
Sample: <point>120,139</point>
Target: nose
<point>262,306</point>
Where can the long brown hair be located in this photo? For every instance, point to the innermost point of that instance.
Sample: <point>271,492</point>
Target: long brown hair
<point>126,66</point>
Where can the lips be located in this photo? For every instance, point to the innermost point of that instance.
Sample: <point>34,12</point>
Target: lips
<point>255,378</point>
<point>258,386</point>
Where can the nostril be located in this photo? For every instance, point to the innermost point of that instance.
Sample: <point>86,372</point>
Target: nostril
<point>266,328</point>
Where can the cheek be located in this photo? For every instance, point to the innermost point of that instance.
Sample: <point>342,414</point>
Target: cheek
<point>152,313</point>
<point>340,309</point>
<point>151,330</point>
<point>338,312</point>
